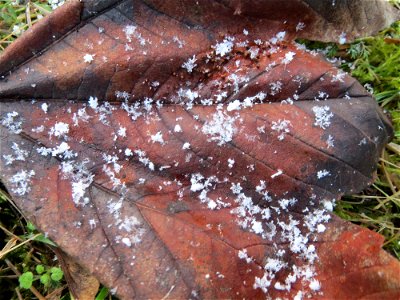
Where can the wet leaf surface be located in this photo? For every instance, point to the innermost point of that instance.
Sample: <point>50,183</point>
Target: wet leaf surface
<point>194,151</point>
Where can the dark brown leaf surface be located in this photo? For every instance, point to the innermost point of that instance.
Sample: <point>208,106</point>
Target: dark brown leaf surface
<point>192,151</point>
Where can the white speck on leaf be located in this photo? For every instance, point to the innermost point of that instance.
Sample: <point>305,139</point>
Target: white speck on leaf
<point>21,182</point>
<point>59,129</point>
<point>157,138</point>
<point>221,128</point>
<point>190,64</point>
<point>224,47</point>
<point>278,173</point>
<point>88,58</point>
<point>44,107</point>
<point>323,115</point>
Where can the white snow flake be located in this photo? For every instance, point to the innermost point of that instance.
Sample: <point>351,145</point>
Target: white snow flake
<point>323,115</point>
<point>189,65</point>
<point>221,128</point>
<point>88,58</point>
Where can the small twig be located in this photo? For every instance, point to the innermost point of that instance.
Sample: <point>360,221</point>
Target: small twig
<point>392,41</point>
<point>9,245</point>
<point>388,179</point>
<point>18,294</point>
<point>55,292</point>
<point>10,233</point>
<point>32,288</point>
<point>389,163</point>
<point>19,245</point>
<point>28,14</point>
<point>393,147</point>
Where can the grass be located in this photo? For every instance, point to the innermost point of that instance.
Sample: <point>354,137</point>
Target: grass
<point>374,61</point>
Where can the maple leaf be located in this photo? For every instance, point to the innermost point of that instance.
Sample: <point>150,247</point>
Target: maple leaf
<point>195,151</point>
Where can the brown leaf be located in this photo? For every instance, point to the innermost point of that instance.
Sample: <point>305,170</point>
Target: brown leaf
<point>82,285</point>
<point>212,170</point>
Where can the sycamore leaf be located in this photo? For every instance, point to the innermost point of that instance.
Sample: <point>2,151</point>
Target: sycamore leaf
<point>193,150</point>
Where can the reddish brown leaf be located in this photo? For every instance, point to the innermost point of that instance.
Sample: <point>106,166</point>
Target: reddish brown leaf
<point>213,171</point>
<point>81,284</point>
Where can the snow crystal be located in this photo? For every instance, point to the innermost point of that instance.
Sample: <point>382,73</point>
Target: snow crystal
<point>13,125</point>
<point>276,87</point>
<point>92,223</point>
<point>179,42</point>
<point>342,38</point>
<point>315,285</point>
<point>323,116</point>
<point>157,138</point>
<point>144,160</point>
<point>328,205</point>
<point>242,254</point>
<point>278,173</point>
<point>177,128</point>
<point>257,227</point>
<point>224,47</point>
<point>323,173</point>
<point>288,57</point>
<point>59,129</point>
<point>18,154</point>
<point>321,228</point>
<point>190,64</point>
<point>330,142</point>
<point>88,58</point>
<point>254,52</point>
<point>79,188</point>
<point>128,152</point>
<point>122,132</point>
<point>80,178</point>
<point>278,37</point>
<point>93,102</point>
<point>129,31</point>
<point>231,162</point>
<point>81,115</point>
<point>282,127</point>
<point>44,107</point>
<point>236,188</point>
<point>21,182</point>
<point>127,242</point>
<point>339,77</point>
<point>300,26</point>
<point>221,128</point>
<point>234,105</point>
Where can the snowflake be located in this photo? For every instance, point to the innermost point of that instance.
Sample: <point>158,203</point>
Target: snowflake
<point>342,38</point>
<point>88,58</point>
<point>276,87</point>
<point>288,57</point>
<point>224,47</point>
<point>221,128</point>
<point>59,129</point>
<point>122,132</point>
<point>44,107</point>
<point>157,138</point>
<point>322,116</point>
<point>11,123</point>
<point>282,127</point>
<point>300,26</point>
<point>189,65</point>
<point>21,182</point>
<point>323,173</point>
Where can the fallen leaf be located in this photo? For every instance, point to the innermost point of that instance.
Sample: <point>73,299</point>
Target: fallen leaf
<point>193,150</point>
<point>81,284</point>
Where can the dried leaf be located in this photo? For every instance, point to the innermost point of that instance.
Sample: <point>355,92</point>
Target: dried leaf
<point>213,167</point>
